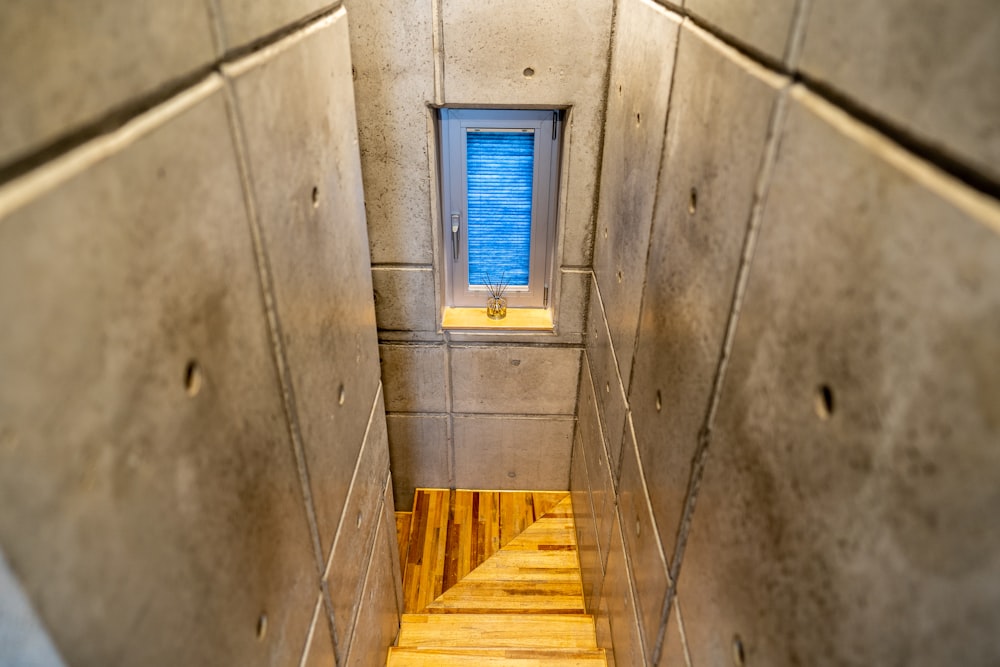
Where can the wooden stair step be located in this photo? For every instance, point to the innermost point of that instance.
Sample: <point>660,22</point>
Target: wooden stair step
<point>496,657</point>
<point>498,631</point>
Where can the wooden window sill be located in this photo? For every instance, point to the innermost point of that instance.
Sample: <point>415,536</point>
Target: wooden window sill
<point>518,319</point>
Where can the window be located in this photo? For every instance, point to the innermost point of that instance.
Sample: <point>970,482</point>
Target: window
<point>499,175</point>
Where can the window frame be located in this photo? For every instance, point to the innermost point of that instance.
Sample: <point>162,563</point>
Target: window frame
<point>454,125</point>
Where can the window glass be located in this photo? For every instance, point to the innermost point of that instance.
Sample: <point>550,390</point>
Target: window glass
<point>500,174</point>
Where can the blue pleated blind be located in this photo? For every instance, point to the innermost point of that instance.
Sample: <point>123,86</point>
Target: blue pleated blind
<point>500,175</point>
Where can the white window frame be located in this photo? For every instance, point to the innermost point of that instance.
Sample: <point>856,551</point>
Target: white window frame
<point>454,126</point>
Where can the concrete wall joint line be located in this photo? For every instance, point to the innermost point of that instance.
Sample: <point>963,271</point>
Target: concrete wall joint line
<point>656,200</point>
<point>312,631</point>
<point>797,37</point>
<point>124,113</point>
<point>775,125</point>
<point>437,43</point>
<point>450,423</point>
<point>274,324</point>
<point>600,139</point>
<point>217,25</point>
<point>680,630</point>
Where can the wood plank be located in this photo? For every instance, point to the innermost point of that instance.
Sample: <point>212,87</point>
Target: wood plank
<point>498,630</point>
<point>403,520</point>
<point>555,597</point>
<point>482,657</point>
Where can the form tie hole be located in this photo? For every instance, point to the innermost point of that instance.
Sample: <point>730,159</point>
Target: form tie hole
<point>659,401</point>
<point>357,522</point>
<point>262,627</point>
<point>315,197</point>
<point>192,378</point>
<point>739,655</point>
<point>824,402</point>
<point>621,276</point>
<point>607,387</point>
<point>638,118</point>
<point>619,90</point>
<point>693,201</point>
<point>528,72</point>
<point>605,232</point>
<point>638,527</point>
<point>341,395</point>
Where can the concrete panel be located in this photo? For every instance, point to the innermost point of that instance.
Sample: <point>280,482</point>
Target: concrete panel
<point>297,112</point>
<point>404,298</point>
<point>642,542</point>
<point>394,80</point>
<point>611,403</point>
<point>414,377</point>
<point>922,65</point>
<point>599,468</point>
<point>319,652</point>
<point>69,63</point>
<point>418,452</point>
<point>764,27</point>
<point>515,380</point>
<point>389,519</point>
<point>505,52</point>
<point>572,315</point>
<point>378,617</point>
<point>245,21</point>
<point>602,621</point>
<point>674,653</point>
<point>643,57</point>
<point>345,572</point>
<point>621,608</point>
<point>591,567</point>
<point>511,453</point>
<point>714,149</point>
<point>144,455</point>
<point>847,514</point>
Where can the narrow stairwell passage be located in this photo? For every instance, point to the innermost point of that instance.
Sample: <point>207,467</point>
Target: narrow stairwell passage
<point>492,578</point>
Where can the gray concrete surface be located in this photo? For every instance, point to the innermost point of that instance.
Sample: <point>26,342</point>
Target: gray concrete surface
<point>857,530</point>
<point>641,70</point>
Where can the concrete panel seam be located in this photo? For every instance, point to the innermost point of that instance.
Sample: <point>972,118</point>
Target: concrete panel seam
<point>797,37</point>
<point>274,323</point>
<point>680,631</point>
<point>599,157</point>
<point>656,200</point>
<point>302,25</point>
<point>437,43</point>
<point>217,25</point>
<point>108,123</point>
<point>522,417</point>
<point>312,631</point>
<point>25,188</point>
<point>354,479</point>
<point>492,345</point>
<point>122,114</point>
<point>775,126</point>
<point>450,423</point>
<point>235,68</point>
<point>975,203</point>
<point>364,578</point>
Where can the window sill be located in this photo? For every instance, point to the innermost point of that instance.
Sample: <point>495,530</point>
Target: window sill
<point>519,319</point>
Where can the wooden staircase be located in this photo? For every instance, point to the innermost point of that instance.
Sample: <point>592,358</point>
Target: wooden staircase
<point>492,578</point>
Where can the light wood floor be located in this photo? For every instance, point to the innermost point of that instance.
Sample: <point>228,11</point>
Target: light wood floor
<point>492,578</point>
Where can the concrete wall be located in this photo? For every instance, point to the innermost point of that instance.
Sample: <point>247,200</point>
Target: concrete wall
<point>792,323</point>
<point>194,465</point>
<point>467,409</point>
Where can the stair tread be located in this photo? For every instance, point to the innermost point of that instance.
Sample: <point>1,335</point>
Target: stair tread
<point>495,657</point>
<point>454,532</point>
<point>554,631</point>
